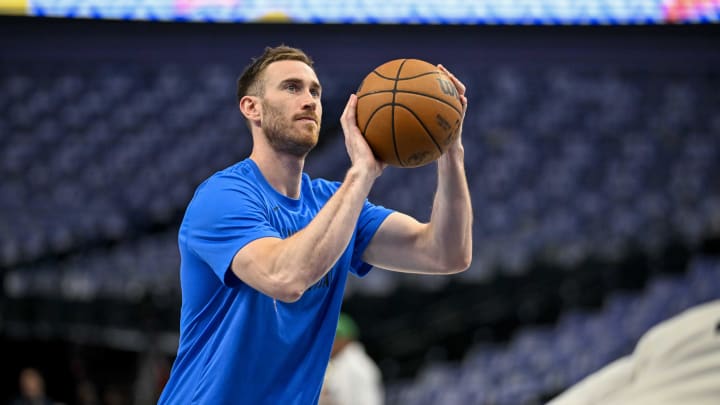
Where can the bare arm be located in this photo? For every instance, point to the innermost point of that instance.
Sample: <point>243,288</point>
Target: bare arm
<point>285,268</point>
<point>444,245</point>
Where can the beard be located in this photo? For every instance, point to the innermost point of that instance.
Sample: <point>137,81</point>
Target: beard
<point>283,137</point>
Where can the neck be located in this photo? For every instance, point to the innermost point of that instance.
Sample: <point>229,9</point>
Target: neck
<point>282,171</point>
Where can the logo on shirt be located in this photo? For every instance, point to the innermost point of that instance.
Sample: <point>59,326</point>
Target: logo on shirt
<point>323,283</point>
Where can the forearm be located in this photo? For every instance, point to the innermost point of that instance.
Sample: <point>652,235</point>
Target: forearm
<point>450,229</point>
<point>304,258</point>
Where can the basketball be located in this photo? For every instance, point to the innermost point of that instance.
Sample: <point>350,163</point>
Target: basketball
<point>409,112</point>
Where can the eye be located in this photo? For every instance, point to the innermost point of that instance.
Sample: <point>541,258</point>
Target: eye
<point>315,92</point>
<point>292,87</point>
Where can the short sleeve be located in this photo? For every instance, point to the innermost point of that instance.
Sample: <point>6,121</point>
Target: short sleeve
<point>371,217</point>
<point>222,218</point>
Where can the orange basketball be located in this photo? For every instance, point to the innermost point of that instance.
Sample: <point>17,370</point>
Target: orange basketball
<point>409,112</point>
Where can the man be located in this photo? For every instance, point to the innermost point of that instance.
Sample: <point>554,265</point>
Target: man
<point>352,377</point>
<point>265,250</point>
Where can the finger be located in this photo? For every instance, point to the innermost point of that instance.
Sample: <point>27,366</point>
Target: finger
<point>345,111</point>
<point>446,71</point>
<point>352,107</point>
<point>348,113</point>
<point>458,84</point>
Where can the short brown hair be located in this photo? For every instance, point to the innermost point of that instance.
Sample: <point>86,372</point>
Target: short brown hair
<point>249,81</point>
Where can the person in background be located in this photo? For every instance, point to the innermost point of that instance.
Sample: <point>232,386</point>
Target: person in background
<point>352,377</point>
<point>32,389</point>
<point>675,362</point>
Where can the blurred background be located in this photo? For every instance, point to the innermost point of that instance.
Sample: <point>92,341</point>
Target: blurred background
<point>592,144</point>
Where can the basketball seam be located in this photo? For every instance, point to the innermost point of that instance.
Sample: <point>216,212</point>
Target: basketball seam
<point>392,113</point>
<point>407,108</point>
<point>404,78</point>
<point>422,124</point>
<point>373,115</point>
<point>412,92</point>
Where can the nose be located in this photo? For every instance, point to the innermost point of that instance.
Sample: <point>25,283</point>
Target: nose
<point>310,103</point>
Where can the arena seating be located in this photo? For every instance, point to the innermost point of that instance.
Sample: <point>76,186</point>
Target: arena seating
<point>103,155</point>
<point>563,163</point>
<point>542,361</point>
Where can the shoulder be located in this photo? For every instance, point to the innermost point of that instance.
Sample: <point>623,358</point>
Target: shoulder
<point>239,177</point>
<point>226,190</point>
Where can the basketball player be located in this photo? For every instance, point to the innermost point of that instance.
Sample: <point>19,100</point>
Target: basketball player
<point>265,250</point>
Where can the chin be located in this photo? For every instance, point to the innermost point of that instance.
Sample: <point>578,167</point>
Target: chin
<point>300,148</point>
<point>298,142</point>
<point>310,139</point>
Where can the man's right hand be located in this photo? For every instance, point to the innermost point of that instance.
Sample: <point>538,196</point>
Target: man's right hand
<point>361,155</point>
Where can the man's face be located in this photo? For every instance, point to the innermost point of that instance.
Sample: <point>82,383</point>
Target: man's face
<point>291,109</point>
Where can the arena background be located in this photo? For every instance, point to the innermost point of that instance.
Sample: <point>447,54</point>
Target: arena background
<point>593,156</point>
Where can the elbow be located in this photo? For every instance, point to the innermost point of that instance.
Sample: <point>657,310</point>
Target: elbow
<point>288,292</point>
<point>465,263</point>
<point>457,262</point>
<point>288,285</point>
<point>288,296</point>
<point>285,289</point>
<point>465,256</point>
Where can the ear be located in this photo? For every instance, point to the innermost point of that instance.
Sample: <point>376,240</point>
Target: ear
<point>251,108</point>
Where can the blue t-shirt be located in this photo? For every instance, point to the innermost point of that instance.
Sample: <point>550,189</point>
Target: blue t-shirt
<point>238,345</point>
